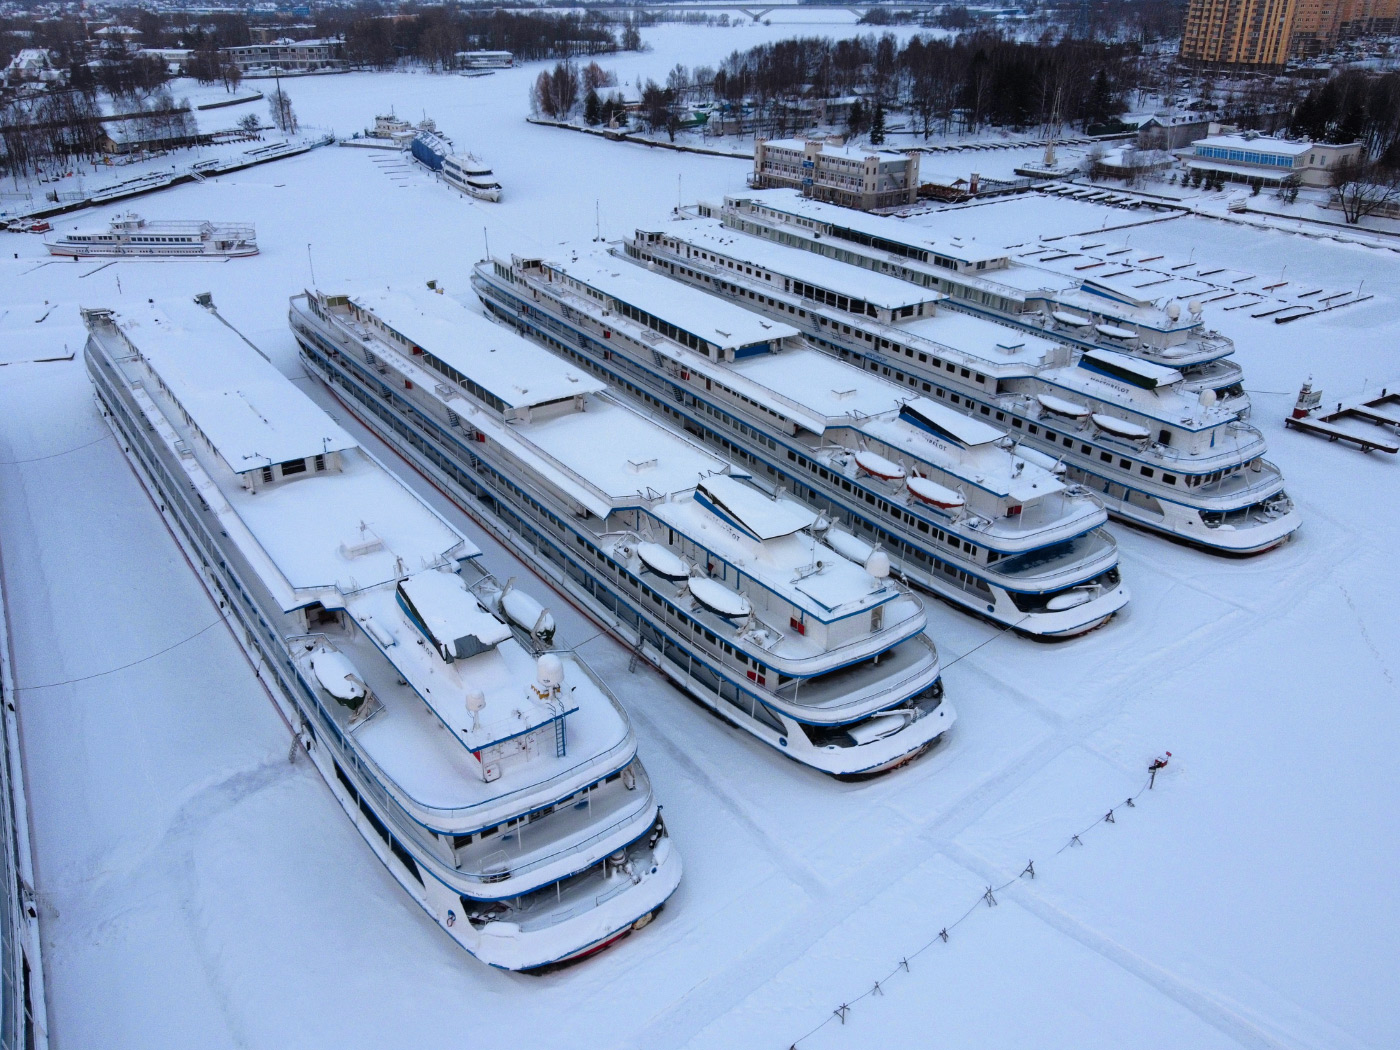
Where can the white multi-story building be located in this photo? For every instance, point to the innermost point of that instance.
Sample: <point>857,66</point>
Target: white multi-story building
<point>848,175</point>
<point>289,56</point>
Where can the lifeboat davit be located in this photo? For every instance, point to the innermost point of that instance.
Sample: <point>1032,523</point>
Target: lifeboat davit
<point>716,596</point>
<point>878,466</point>
<point>934,494</point>
<point>663,562</point>
<point>1121,427</point>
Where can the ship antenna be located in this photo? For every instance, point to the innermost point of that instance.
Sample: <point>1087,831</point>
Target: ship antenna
<point>312,263</point>
<point>486,236</point>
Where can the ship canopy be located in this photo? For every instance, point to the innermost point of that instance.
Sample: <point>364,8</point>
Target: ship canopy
<point>751,511</point>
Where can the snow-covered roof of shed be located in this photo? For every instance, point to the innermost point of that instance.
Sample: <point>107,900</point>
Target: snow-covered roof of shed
<point>244,407</point>
<point>702,315</point>
<point>884,291</point>
<point>512,368</point>
<point>831,149</point>
<point>1256,144</point>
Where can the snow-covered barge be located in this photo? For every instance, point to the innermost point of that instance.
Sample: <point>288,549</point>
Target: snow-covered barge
<point>132,236</point>
<point>960,510</point>
<point>1159,454</point>
<point>496,780</point>
<point>780,622</point>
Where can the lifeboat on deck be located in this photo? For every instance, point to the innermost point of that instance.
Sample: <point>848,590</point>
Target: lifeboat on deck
<point>716,597</point>
<point>1121,427</point>
<point>934,494</point>
<point>662,561</point>
<point>877,466</point>
<point>1061,407</point>
<point>338,676</point>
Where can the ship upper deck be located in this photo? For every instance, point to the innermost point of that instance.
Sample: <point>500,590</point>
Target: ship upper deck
<point>345,537</point>
<point>518,373</point>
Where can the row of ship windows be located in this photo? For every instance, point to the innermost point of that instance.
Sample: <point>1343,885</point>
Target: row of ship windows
<point>933,531</point>
<point>578,798</point>
<point>964,579</point>
<point>1189,480</point>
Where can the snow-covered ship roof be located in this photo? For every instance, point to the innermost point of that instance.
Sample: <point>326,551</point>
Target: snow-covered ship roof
<point>326,532</point>
<point>515,371</point>
<point>242,405</point>
<point>879,227</point>
<point>703,316</point>
<point>887,292</point>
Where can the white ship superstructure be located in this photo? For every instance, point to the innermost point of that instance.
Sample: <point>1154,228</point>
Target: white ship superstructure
<point>130,235</point>
<point>471,175</point>
<point>1085,312</point>
<point>1159,454</point>
<point>495,779</point>
<point>957,507</point>
<point>779,621</point>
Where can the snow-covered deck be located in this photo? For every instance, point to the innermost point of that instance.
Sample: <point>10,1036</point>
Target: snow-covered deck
<point>244,407</point>
<point>711,235</point>
<point>436,768</point>
<point>722,324</point>
<point>513,369</point>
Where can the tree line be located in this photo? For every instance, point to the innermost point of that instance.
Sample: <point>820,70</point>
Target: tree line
<point>967,83</point>
<point>434,35</point>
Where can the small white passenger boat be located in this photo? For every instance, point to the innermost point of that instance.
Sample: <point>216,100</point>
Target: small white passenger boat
<point>131,235</point>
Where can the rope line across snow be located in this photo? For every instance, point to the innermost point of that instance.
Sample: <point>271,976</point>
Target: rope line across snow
<point>123,667</point>
<point>986,898</point>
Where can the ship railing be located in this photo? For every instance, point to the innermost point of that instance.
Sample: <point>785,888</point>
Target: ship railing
<point>555,916</point>
<point>450,814</point>
<point>497,867</point>
<point>791,692</point>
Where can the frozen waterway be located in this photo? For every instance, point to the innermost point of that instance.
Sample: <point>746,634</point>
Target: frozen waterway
<point>199,890</point>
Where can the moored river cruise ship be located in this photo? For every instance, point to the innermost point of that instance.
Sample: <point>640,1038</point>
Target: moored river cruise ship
<point>495,778</point>
<point>772,616</point>
<point>1140,317</point>
<point>960,509</point>
<point>1157,453</point>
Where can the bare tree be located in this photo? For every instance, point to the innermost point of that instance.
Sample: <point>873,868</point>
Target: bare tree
<point>1362,186</point>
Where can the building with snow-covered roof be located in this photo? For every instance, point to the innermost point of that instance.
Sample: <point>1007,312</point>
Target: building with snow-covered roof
<point>31,65</point>
<point>854,177</point>
<point>440,728</point>
<point>289,56</point>
<point>783,624</point>
<point>1252,158</point>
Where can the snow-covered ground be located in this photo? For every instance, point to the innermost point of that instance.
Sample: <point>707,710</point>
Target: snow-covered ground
<point>199,890</point>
